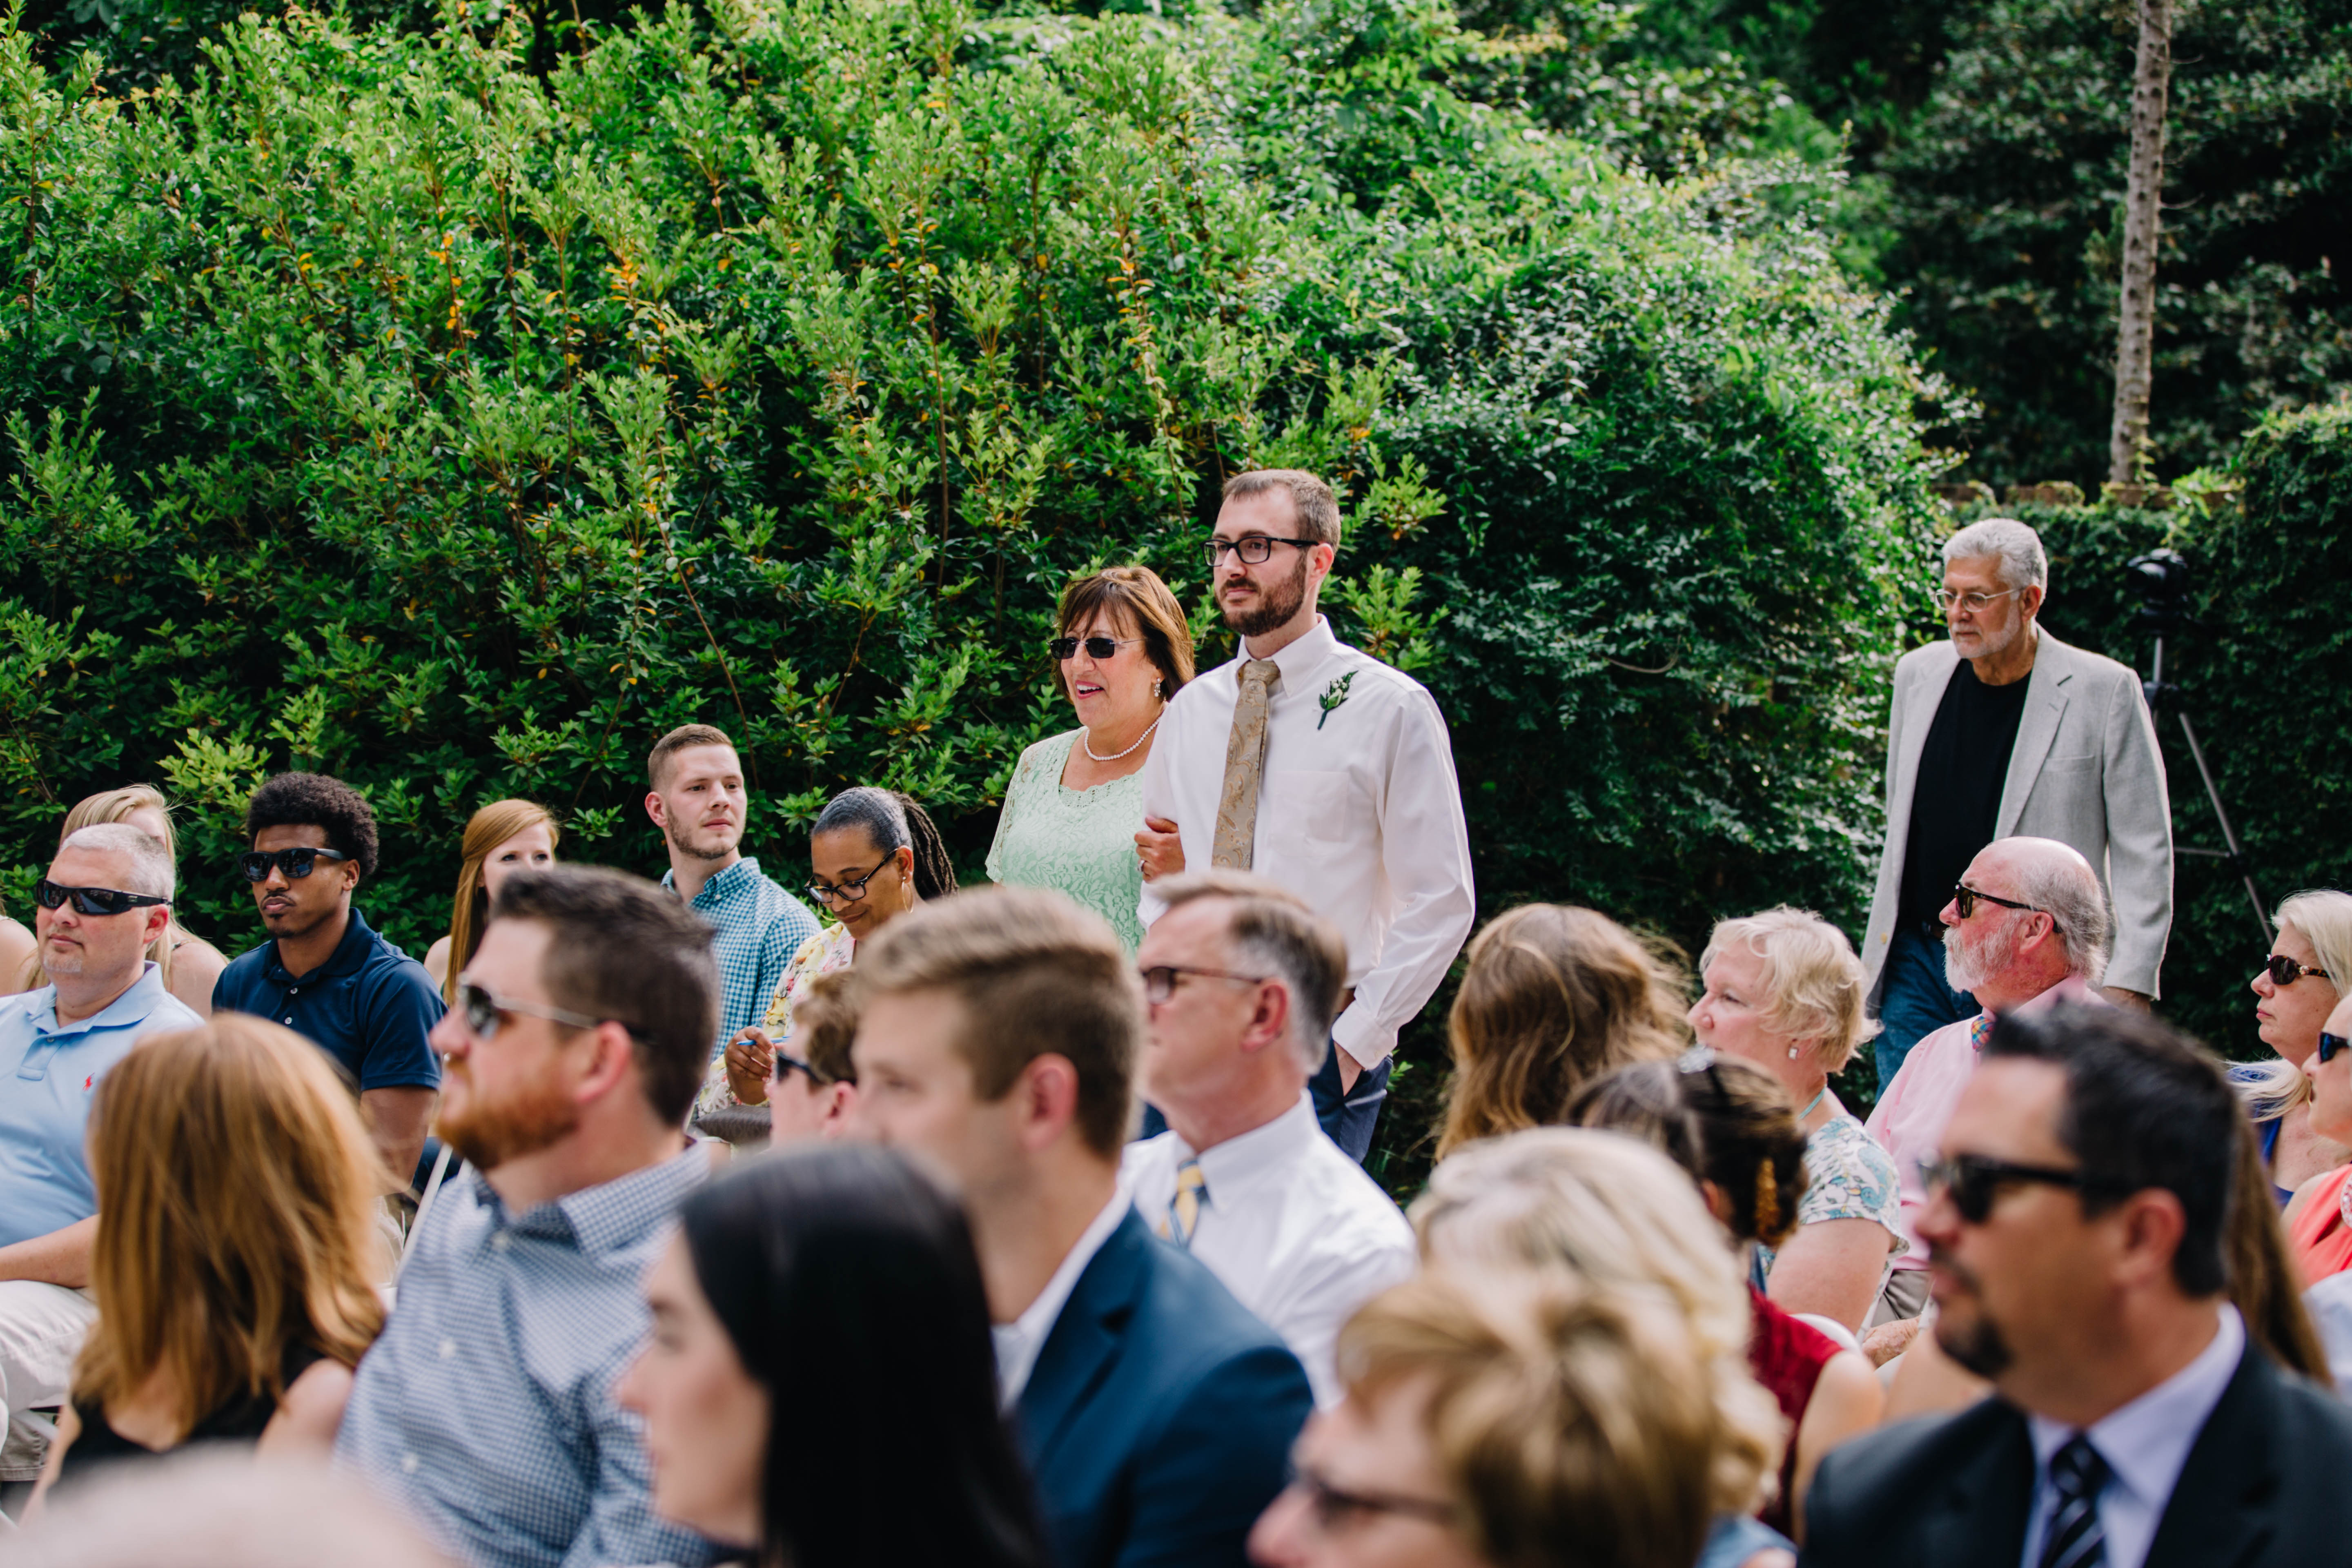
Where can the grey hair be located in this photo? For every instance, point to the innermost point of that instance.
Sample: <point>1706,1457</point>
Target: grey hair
<point>1274,931</point>
<point>2024,563</point>
<point>877,811</point>
<point>2069,893</point>
<point>150,868</point>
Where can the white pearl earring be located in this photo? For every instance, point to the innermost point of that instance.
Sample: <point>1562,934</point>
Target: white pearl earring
<point>1792,1053</point>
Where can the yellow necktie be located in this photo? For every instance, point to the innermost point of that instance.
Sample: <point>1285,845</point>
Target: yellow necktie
<point>1183,1216</point>
<point>1236,841</point>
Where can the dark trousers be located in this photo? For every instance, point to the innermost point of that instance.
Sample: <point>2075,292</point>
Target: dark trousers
<point>1914,1000</point>
<point>1350,1120</point>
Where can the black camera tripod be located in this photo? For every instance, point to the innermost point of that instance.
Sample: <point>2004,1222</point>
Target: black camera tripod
<point>2162,578</point>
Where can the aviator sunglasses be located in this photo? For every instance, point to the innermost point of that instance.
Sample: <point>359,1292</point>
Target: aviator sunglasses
<point>297,863</point>
<point>481,1007</point>
<point>91,900</point>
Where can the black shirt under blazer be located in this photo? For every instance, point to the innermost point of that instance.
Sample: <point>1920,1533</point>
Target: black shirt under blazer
<point>2268,1485</point>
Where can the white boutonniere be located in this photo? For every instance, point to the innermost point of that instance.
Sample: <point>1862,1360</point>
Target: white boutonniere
<point>1334,695</point>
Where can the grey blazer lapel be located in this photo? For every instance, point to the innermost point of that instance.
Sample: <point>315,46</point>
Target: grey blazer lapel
<point>1920,700</point>
<point>2046,693</point>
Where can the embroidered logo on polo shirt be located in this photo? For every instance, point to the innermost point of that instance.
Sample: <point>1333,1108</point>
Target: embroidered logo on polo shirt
<point>88,1081</point>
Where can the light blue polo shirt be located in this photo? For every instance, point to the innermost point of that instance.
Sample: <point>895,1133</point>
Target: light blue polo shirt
<point>47,1073</point>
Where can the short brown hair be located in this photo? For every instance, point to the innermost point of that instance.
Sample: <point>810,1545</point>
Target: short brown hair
<point>1553,995</point>
<point>1567,1424</point>
<point>676,740</point>
<point>1036,975</point>
<point>825,1025</point>
<point>626,949</point>
<point>1311,501</point>
<point>1272,928</point>
<point>1136,594</point>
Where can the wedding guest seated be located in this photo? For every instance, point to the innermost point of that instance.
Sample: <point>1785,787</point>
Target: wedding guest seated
<point>1241,978</point>
<point>839,1280</point>
<point>236,1254</point>
<point>1784,993</point>
<point>1553,997</point>
<point>503,837</point>
<point>190,964</point>
<point>1750,1170</point>
<point>812,1095</point>
<point>1605,1213</point>
<point>1494,1422</point>
<point>2319,1229</point>
<point>2077,1221</point>
<point>2307,971</point>
<point>998,1036</point>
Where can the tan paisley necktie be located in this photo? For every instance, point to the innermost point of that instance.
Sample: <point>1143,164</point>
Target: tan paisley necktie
<point>1236,840</point>
<point>1183,1216</point>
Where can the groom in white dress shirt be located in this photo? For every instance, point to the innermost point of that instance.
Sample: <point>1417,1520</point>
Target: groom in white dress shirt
<point>1240,977</point>
<point>1323,770</point>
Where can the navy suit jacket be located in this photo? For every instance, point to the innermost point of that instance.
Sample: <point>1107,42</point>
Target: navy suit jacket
<point>1159,1419</point>
<point>2266,1486</point>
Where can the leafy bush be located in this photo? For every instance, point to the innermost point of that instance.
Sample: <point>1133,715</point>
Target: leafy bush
<point>380,404</point>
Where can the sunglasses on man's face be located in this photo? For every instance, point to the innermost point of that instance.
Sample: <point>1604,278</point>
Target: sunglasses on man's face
<point>2285,971</point>
<point>1967,899</point>
<point>1100,649</point>
<point>2330,1045</point>
<point>91,900</point>
<point>482,1008</point>
<point>297,863</point>
<point>1974,1181</point>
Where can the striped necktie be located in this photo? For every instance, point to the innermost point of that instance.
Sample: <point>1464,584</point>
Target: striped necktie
<point>2075,1540</point>
<point>1183,1216</point>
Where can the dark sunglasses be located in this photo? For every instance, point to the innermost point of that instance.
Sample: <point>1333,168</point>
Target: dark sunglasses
<point>91,900</point>
<point>2285,971</point>
<point>1974,1181</point>
<point>481,1007</point>
<point>849,889</point>
<point>297,863</point>
<point>1967,899</point>
<point>2330,1045</point>
<point>1067,649</point>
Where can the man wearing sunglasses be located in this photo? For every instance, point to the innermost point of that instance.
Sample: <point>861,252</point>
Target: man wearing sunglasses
<point>1323,770</point>
<point>108,894</point>
<point>2002,731</point>
<point>2079,1224</point>
<point>324,973</point>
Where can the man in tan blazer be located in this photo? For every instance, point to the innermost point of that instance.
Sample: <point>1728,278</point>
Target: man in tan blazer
<point>2001,731</point>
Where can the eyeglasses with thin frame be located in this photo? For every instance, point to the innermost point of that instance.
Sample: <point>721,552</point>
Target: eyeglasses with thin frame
<point>1100,649</point>
<point>849,889</point>
<point>2285,971</point>
<point>1973,1182</point>
<point>1968,897</point>
<point>93,901</point>
<point>1973,602</point>
<point>1256,549</point>
<point>1159,980</point>
<point>297,863</point>
<point>480,1006</point>
<point>1336,1509</point>
<point>2330,1045</point>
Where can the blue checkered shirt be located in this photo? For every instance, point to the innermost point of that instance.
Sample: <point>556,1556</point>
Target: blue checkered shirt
<point>486,1409</point>
<point>759,927</point>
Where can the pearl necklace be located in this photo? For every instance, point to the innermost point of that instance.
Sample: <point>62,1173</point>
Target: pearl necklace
<point>1086,739</point>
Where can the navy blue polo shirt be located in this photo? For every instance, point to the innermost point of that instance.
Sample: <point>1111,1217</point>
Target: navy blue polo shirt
<point>370,1007</point>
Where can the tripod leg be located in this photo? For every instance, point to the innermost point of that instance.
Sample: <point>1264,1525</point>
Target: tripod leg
<point>2229,833</point>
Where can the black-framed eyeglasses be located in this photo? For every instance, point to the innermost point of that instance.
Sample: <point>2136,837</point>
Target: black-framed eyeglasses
<point>818,1078</point>
<point>849,889</point>
<point>1967,899</point>
<point>1159,980</point>
<point>1256,549</point>
<point>2330,1045</point>
<point>93,901</point>
<point>297,863</point>
<point>1064,649</point>
<point>481,1006</point>
<point>2285,971</point>
<point>1337,1508</point>
<point>1974,1181</point>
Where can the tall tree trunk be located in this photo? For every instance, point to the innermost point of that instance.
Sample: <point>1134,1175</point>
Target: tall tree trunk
<point>2143,205</point>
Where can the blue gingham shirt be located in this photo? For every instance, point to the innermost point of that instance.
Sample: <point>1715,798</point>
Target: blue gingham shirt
<point>759,927</point>
<point>486,1408</point>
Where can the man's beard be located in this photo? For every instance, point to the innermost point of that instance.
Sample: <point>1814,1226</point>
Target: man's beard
<point>489,1135</point>
<point>678,841</point>
<point>1968,966</point>
<point>1976,1344</point>
<point>1276,605</point>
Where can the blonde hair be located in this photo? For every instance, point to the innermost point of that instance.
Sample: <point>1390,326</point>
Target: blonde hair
<point>1553,995</point>
<point>470,912</point>
<point>236,1200</point>
<point>1569,1424</point>
<point>2324,916</point>
<point>1606,1213</point>
<point>114,805</point>
<point>1812,982</point>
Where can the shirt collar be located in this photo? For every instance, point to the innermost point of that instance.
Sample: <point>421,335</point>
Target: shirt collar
<point>351,952</point>
<point>609,1216</point>
<point>1018,1342</point>
<point>1300,660</point>
<point>718,885</point>
<point>2146,1442</point>
<point>1239,1164</point>
<point>139,998</point>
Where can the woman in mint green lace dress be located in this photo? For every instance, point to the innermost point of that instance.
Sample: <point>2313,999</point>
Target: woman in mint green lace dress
<point>1075,800</point>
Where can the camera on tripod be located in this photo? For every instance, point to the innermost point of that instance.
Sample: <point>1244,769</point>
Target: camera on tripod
<point>2162,578</point>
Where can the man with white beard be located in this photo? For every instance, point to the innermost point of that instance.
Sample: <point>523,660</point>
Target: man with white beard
<point>2027,923</point>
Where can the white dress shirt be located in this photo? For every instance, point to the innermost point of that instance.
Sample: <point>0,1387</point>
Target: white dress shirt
<point>1289,1223</point>
<point>2145,1444</point>
<point>1018,1342</point>
<point>1359,813</point>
